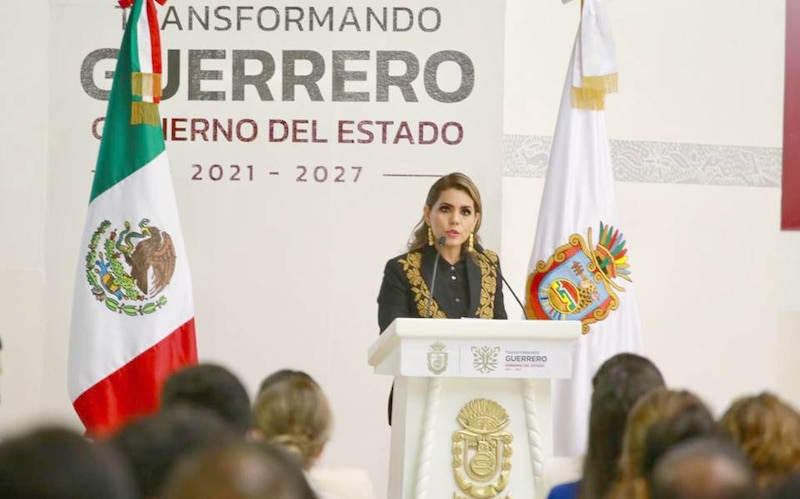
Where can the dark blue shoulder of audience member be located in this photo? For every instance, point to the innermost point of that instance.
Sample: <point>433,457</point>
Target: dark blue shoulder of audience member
<point>564,491</point>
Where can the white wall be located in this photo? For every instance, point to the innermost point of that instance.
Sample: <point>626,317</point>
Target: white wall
<point>23,132</point>
<point>713,272</point>
<point>701,72</point>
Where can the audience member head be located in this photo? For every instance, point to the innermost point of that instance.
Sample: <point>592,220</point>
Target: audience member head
<point>616,386</point>
<point>768,432</point>
<point>705,468</point>
<point>692,420</point>
<point>660,419</point>
<point>213,387</point>
<point>293,413</point>
<point>56,463</point>
<point>155,444</point>
<point>241,471</point>
<point>278,376</point>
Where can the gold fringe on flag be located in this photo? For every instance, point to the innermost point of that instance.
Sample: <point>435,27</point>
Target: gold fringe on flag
<point>146,85</point>
<point>606,83</point>
<point>144,113</point>
<point>588,98</point>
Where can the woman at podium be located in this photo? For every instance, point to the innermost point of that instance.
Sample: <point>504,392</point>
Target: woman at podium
<point>446,273</point>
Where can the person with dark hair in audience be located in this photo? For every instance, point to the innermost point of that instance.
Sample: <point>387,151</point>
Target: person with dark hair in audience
<point>686,423</point>
<point>658,421</point>
<point>703,468</point>
<point>767,430</point>
<point>616,387</point>
<point>213,387</point>
<point>155,444</point>
<point>240,471</point>
<point>57,463</point>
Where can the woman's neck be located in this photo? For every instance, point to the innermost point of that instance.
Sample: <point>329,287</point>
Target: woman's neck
<point>451,255</point>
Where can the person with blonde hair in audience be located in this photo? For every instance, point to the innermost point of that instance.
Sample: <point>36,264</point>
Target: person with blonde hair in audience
<point>767,430</point>
<point>292,412</point>
<point>658,421</point>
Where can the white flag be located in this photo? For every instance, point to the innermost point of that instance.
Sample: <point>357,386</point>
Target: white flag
<point>579,268</point>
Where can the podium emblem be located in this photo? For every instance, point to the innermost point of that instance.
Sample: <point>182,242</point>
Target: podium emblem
<point>484,359</point>
<point>437,358</point>
<point>482,451</point>
<point>580,281</point>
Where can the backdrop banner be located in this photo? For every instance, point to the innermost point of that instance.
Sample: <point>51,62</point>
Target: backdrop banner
<point>303,138</point>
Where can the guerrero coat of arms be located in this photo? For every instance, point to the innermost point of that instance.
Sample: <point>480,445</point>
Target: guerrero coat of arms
<point>437,358</point>
<point>579,282</point>
<point>128,269</point>
<point>482,450</point>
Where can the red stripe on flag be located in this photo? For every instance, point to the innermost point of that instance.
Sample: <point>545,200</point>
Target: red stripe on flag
<point>790,202</point>
<point>155,40</point>
<point>135,389</point>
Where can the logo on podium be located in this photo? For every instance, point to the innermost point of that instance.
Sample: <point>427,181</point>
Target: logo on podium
<point>437,358</point>
<point>482,450</point>
<point>484,359</point>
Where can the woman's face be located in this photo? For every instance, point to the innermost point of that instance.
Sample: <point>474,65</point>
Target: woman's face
<point>452,216</point>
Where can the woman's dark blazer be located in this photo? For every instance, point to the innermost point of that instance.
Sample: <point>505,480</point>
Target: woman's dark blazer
<point>405,290</point>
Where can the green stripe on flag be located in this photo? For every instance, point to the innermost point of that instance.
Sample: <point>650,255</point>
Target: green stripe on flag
<point>133,44</point>
<point>124,148</point>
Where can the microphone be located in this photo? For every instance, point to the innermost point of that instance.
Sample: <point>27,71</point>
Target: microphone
<point>439,243</point>
<point>500,273</point>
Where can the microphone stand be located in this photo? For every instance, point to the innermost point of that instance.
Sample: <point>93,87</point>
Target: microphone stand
<point>502,278</point>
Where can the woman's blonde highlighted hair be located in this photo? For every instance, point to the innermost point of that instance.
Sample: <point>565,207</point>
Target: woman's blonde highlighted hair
<point>292,411</point>
<point>659,420</point>
<point>767,430</point>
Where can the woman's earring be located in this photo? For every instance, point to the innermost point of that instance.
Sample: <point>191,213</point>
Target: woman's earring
<point>430,236</point>
<point>471,246</point>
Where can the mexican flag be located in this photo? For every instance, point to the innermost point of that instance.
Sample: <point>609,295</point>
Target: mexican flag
<point>580,267</point>
<point>132,315</point>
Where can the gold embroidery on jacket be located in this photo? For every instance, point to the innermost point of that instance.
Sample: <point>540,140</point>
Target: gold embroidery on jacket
<point>422,296</point>
<point>412,265</point>
<point>488,285</point>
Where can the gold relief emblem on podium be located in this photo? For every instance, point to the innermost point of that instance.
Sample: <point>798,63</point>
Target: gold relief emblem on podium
<point>437,358</point>
<point>482,451</point>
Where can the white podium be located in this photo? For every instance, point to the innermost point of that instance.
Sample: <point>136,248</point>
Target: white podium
<point>471,416</point>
